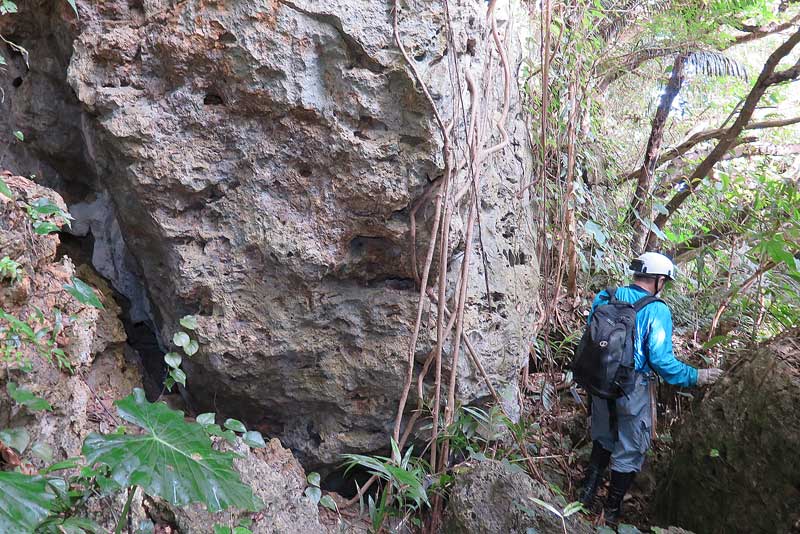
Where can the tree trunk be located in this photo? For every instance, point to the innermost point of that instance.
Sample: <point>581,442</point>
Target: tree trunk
<point>645,181</point>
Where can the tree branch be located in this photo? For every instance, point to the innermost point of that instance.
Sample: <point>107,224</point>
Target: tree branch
<point>758,32</point>
<point>767,78</point>
<point>708,135</point>
<point>688,249</point>
<point>733,292</point>
<point>763,149</point>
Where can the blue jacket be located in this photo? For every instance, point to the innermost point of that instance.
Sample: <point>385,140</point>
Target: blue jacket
<point>653,324</point>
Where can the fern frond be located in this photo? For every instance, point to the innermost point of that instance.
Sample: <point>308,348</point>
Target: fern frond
<point>709,63</point>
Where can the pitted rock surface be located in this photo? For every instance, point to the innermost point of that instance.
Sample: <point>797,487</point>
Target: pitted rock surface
<point>263,159</point>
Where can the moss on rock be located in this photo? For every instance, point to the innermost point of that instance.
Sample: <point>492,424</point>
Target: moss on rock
<point>735,466</point>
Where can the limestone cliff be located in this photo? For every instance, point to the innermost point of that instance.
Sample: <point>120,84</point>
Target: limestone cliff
<point>260,161</point>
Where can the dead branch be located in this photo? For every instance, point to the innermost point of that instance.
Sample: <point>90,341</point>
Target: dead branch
<point>732,293</point>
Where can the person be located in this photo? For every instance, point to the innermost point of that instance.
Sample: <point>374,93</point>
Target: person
<point>621,429</point>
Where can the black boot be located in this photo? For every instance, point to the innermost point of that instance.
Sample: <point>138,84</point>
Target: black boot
<point>620,483</point>
<point>594,474</point>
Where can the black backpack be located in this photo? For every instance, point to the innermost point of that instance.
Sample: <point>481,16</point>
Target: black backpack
<point>604,362</point>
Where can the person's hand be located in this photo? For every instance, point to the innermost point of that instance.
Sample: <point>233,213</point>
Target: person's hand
<point>707,377</point>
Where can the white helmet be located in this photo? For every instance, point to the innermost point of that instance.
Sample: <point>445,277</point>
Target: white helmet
<point>652,264</point>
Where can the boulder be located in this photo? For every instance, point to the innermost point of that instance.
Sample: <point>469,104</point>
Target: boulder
<point>492,496</point>
<point>277,479</point>
<point>261,160</point>
<point>734,466</point>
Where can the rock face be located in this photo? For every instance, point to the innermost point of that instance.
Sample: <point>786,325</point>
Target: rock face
<point>278,480</point>
<point>735,467</point>
<point>491,497</point>
<point>92,341</point>
<point>263,159</point>
<point>104,369</point>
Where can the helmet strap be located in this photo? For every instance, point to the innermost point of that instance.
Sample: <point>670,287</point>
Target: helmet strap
<point>663,280</point>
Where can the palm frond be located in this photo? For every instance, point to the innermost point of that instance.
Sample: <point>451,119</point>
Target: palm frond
<point>709,63</point>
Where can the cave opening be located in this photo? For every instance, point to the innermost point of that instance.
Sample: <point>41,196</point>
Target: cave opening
<point>142,335</point>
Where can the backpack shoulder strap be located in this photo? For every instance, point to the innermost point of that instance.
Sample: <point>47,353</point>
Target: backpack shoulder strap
<point>644,301</point>
<point>611,292</point>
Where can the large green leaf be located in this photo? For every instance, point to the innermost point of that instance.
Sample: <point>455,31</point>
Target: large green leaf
<point>83,292</point>
<point>26,398</point>
<point>173,458</point>
<point>4,189</point>
<point>24,502</point>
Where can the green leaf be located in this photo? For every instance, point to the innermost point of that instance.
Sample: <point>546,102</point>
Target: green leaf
<point>219,529</point>
<point>313,493</point>
<point>546,505</point>
<point>71,525</point>
<point>45,227</point>
<point>229,436</point>
<point>7,6</point>
<point>24,502</point>
<point>216,430</point>
<point>4,189</point>
<point>714,453</point>
<point>178,376</point>
<point>777,250</point>
<point>16,438</point>
<point>328,502</point>
<point>191,348</point>
<point>313,478</point>
<point>43,451</point>
<point>26,398</point>
<point>254,439</point>
<point>83,293</point>
<point>181,339</point>
<point>19,135</point>
<point>173,359</point>
<point>716,340</point>
<point>69,463</point>
<point>206,418</point>
<point>45,206</point>
<point>596,231</point>
<point>173,458</point>
<point>235,425</point>
<point>572,508</point>
<point>189,322</point>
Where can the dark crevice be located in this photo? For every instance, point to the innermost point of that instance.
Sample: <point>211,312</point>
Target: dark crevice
<point>515,258</point>
<point>227,38</point>
<point>212,99</point>
<point>142,336</point>
<point>345,483</point>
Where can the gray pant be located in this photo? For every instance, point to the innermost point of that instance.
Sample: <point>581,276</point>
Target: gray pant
<point>634,423</point>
